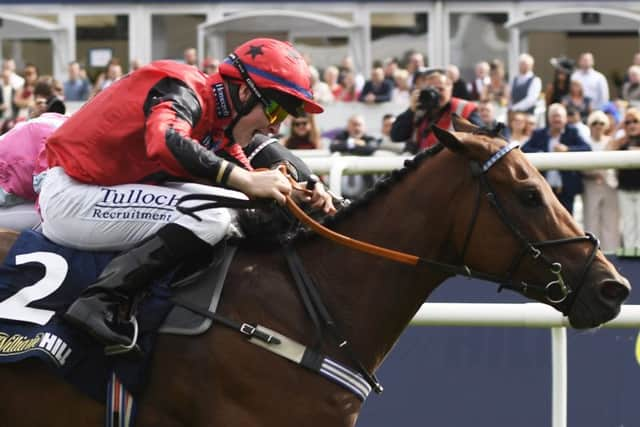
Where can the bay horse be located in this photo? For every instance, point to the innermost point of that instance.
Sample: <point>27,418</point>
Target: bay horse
<point>471,204</point>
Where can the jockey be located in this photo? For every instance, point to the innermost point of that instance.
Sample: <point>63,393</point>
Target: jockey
<point>22,158</point>
<point>106,187</point>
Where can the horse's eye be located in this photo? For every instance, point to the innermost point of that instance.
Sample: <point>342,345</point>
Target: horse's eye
<point>531,198</point>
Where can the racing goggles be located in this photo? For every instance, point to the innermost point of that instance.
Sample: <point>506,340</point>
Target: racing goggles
<point>274,112</point>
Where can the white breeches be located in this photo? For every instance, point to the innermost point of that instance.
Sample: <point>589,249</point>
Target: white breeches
<point>94,217</point>
<point>19,217</point>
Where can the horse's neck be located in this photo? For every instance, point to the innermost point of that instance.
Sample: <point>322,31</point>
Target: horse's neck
<point>372,298</point>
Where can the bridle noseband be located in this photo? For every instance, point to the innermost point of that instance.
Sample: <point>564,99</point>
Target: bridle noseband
<point>556,291</point>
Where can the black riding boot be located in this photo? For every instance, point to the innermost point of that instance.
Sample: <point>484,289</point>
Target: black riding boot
<point>96,310</point>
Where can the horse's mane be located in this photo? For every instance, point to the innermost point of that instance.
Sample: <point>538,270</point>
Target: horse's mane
<point>382,186</point>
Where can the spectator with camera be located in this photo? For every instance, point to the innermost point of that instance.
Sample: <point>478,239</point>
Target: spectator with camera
<point>431,103</point>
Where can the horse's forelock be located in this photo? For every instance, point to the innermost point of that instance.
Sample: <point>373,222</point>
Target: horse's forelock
<point>481,145</point>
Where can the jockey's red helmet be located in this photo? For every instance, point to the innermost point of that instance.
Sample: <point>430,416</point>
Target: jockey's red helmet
<point>277,69</point>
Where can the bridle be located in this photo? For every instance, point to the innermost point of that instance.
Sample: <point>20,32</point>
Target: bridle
<point>556,291</point>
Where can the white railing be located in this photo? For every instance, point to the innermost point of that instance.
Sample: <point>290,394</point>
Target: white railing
<point>527,315</point>
<point>337,166</point>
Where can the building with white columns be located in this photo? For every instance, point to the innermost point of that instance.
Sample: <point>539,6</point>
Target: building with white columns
<point>52,33</point>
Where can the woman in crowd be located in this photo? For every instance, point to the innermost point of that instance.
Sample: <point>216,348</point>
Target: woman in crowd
<point>402,90</point>
<point>577,100</point>
<point>331,74</point>
<point>600,195</point>
<point>518,127</point>
<point>629,181</point>
<point>497,91</point>
<point>349,92</point>
<point>112,73</point>
<point>303,135</point>
<point>23,98</point>
<point>555,91</point>
<point>321,91</point>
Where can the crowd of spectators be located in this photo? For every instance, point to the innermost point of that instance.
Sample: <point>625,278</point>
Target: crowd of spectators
<point>574,111</point>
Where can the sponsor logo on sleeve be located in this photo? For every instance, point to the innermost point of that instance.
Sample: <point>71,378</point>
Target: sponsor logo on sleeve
<point>222,103</point>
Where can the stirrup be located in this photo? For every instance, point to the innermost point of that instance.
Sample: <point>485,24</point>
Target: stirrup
<point>116,349</point>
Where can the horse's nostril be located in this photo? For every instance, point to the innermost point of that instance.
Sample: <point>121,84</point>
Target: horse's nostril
<point>614,291</point>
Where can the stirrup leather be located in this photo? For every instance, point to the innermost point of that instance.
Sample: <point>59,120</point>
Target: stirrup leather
<point>116,349</point>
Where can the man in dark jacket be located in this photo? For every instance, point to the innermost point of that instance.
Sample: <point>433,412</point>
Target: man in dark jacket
<point>559,137</point>
<point>355,141</point>
<point>376,90</point>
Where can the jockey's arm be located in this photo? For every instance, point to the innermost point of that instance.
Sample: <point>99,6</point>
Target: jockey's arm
<point>167,136</point>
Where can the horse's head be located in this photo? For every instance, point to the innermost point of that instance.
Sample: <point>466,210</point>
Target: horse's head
<point>513,230</point>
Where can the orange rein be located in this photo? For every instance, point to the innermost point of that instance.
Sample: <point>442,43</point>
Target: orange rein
<point>340,238</point>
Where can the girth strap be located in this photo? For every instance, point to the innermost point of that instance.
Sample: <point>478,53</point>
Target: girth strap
<point>247,329</point>
<point>319,313</point>
<point>289,349</point>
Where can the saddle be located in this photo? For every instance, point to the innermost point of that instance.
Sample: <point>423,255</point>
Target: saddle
<point>201,288</point>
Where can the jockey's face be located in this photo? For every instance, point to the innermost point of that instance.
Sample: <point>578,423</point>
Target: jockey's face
<point>254,122</point>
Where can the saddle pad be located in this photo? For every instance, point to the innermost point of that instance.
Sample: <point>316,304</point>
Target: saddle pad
<point>206,288</point>
<point>38,281</point>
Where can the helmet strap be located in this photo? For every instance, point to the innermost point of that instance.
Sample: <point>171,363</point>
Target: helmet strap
<point>242,108</point>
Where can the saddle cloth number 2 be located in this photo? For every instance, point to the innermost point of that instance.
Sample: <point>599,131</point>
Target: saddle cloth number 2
<point>16,306</point>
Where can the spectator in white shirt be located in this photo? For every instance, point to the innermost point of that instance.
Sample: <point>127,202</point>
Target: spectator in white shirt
<point>321,91</point>
<point>594,83</point>
<point>525,87</point>
<point>481,80</point>
<point>16,81</point>
<point>415,62</point>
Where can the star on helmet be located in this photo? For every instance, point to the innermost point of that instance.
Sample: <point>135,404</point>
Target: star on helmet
<point>255,51</point>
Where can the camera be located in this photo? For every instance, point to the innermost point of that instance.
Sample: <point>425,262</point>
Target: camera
<point>429,99</point>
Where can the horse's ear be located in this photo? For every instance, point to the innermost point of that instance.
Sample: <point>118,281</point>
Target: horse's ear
<point>448,139</point>
<point>460,124</point>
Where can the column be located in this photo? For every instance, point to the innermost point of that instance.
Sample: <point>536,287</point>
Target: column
<point>67,19</point>
<point>439,35</point>
<point>140,34</point>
